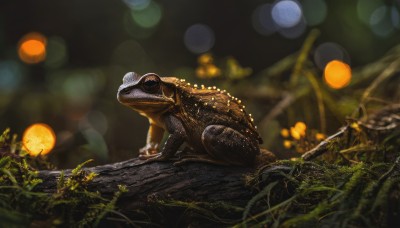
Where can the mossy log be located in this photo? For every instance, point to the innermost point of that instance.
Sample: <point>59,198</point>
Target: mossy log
<point>157,181</point>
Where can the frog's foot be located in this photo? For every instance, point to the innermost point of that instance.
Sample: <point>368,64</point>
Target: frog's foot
<point>150,150</point>
<point>147,156</point>
<point>198,158</point>
<point>159,157</point>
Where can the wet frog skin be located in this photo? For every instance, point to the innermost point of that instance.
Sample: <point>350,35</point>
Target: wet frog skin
<point>209,120</point>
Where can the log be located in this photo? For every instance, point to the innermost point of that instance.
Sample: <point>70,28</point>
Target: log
<point>189,182</point>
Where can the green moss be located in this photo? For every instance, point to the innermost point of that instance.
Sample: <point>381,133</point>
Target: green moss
<point>72,205</point>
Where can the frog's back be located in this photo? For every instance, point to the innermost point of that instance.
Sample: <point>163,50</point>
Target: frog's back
<point>200,106</point>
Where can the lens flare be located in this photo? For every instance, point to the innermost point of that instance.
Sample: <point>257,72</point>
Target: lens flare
<point>38,139</point>
<point>337,74</point>
<point>32,48</point>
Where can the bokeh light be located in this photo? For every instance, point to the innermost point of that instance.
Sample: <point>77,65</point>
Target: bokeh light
<point>286,13</point>
<point>96,143</point>
<point>137,4</point>
<point>10,76</point>
<point>79,87</point>
<point>395,17</point>
<point>295,31</point>
<point>381,22</point>
<point>56,52</point>
<point>262,20</point>
<point>365,8</point>
<point>149,16</point>
<point>132,55</point>
<point>199,38</point>
<point>337,74</point>
<point>314,11</point>
<point>32,48</point>
<point>284,17</point>
<point>329,51</point>
<point>95,120</point>
<point>38,139</point>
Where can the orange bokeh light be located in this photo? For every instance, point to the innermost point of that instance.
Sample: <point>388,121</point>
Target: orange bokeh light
<point>32,48</point>
<point>337,74</point>
<point>38,139</point>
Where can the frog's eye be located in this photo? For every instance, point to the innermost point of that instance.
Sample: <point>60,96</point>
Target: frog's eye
<point>151,84</point>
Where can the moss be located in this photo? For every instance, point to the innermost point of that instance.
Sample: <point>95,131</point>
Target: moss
<point>321,193</point>
<point>72,205</point>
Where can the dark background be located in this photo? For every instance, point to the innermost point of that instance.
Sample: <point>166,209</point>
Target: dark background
<point>77,96</point>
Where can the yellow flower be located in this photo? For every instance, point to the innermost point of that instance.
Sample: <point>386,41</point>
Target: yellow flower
<point>320,136</point>
<point>201,72</point>
<point>301,128</point>
<point>205,59</point>
<point>355,126</point>
<point>213,71</point>
<point>287,144</point>
<point>284,133</point>
<point>294,133</point>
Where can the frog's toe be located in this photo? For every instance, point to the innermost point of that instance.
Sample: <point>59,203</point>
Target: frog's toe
<point>147,156</point>
<point>156,158</point>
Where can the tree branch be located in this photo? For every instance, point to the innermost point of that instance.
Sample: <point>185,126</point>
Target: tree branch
<point>163,180</point>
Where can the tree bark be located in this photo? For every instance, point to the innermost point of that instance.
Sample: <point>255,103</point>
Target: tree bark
<point>162,180</point>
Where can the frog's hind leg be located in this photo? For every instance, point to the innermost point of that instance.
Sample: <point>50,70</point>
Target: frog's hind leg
<point>229,145</point>
<point>199,158</point>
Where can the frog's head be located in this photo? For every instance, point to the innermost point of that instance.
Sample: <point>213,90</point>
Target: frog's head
<point>146,94</point>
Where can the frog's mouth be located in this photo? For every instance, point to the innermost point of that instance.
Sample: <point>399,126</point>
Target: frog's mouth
<point>150,102</point>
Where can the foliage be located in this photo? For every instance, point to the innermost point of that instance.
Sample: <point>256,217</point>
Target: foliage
<point>72,204</point>
<point>304,194</point>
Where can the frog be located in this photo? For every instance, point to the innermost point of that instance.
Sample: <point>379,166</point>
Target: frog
<point>210,121</point>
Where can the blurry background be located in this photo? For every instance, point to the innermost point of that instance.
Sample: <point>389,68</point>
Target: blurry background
<point>61,62</point>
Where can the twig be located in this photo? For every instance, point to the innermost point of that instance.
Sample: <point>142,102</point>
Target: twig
<point>312,36</point>
<point>323,146</point>
<point>287,100</point>
<point>384,75</point>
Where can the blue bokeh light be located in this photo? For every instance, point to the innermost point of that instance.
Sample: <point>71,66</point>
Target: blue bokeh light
<point>395,17</point>
<point>10,76</point>
<point>199,38</point>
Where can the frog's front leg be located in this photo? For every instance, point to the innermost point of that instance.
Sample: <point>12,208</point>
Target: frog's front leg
<point>154,137</point>
<point>177,136</point>
<point>226,145</point>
